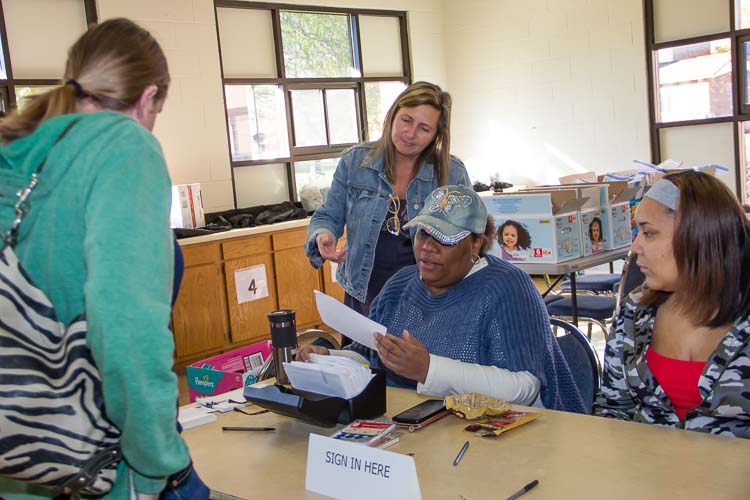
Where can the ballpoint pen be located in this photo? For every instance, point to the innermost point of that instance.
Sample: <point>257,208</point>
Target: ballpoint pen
<point>461,453</point>
<point>523,490</point>
<point>260,429</point>
<point>259,412</point>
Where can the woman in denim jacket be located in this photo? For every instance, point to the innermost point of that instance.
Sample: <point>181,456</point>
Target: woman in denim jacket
<point>378,187</point>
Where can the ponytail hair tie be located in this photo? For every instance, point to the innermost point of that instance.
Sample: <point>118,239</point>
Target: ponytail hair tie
<point>77,87</point>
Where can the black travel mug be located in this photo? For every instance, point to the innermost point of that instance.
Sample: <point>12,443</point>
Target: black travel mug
<point>284,340</point>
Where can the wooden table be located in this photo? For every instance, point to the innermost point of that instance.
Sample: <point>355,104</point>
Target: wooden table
<point>572,456</point>
<point>571,267</point>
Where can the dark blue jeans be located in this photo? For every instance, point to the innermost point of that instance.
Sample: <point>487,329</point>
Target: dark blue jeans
<point>185,485</point>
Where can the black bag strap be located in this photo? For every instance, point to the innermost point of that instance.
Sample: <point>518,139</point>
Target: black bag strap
<point>22,205</point>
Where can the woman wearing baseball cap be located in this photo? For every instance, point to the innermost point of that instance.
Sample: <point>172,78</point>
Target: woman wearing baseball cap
<point>464,321</point>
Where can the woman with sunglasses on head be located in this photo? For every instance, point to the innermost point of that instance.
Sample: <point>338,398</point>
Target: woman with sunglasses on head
<point>378,187</point>
<point>679,354</point>
<point>462,320</point>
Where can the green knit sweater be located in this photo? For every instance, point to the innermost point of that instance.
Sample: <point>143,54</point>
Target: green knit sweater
<point>96,240</point>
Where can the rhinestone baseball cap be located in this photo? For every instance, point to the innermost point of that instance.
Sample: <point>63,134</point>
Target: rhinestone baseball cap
<point>450,214</point>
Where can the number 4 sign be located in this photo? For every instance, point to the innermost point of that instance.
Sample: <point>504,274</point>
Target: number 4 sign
<point>251,283</point>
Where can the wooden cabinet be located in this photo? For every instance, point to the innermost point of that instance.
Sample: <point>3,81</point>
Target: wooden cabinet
<point>296,277</point>
<point>249,319</point>
<point>199,316</point>
<point>329,286</point>
<point>208,317</point>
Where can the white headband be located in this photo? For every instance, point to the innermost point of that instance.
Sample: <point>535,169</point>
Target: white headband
<point>666,193</point>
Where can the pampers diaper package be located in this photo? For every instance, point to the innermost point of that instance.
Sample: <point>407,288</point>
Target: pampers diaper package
<point>228,371</point>
<point>536,226</point>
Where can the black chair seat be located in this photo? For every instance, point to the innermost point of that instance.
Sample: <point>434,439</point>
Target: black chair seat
<point>589,306</point>
<point>600,283</point>
<point>552,298</point>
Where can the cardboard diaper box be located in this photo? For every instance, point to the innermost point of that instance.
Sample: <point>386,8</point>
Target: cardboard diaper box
<point>614,216</point>
<point>593,198</point>
<point>225,372</point>
<point>595,228</point>
<point>536,226</point>
<point>187,207</point>
<point>616,213</point>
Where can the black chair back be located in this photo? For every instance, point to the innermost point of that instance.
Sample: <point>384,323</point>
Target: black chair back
<point>581,358</point>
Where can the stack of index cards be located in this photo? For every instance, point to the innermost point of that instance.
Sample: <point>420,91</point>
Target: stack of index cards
<point>335,376</point>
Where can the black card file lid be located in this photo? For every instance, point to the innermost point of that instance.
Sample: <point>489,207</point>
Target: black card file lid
<point>318,409</point>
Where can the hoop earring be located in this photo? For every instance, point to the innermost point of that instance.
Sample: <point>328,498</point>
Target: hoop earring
<point>475,259</point>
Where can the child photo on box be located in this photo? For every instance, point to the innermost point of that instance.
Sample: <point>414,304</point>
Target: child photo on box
<point>595,235</point>
<point>513,238</point>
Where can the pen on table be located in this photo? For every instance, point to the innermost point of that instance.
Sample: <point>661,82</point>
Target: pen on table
<point>461,453</point>
<point>523,490</point>
<point>260,429</point>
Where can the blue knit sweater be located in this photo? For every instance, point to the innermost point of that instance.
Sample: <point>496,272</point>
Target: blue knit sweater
<point>493,317</point>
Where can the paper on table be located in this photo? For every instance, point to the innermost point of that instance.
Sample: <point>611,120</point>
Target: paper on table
<point>193,416</point>
<point>347,321</point>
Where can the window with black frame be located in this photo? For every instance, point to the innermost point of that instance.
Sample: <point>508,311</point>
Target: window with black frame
<point>32,62</point>
<point>698,61</point>
<point>301,84</point>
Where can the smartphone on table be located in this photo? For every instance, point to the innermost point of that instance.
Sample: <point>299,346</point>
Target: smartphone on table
<point>422,414</point>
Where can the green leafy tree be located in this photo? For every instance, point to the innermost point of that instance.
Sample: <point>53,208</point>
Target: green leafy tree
<point>317,45</point>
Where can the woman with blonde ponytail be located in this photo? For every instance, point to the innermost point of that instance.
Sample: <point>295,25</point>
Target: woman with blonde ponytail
<point>96,240</point>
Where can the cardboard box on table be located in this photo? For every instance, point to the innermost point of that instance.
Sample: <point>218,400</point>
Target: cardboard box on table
<point>594,198</point>
<point>578,178</point>
<point>550,219</point>
<point>616,213</point>
<point>187,207</point>
<point>225,372</point>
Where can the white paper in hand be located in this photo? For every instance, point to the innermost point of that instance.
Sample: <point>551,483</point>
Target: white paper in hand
<point>347,321</point>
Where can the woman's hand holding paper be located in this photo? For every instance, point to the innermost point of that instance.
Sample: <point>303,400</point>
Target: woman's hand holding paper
<point>406,356</point>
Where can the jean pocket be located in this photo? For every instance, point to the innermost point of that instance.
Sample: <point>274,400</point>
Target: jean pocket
<point>185,485</point>
<point>361,203</point>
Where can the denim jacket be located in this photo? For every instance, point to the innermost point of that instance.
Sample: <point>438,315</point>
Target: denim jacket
<point>358,199</point>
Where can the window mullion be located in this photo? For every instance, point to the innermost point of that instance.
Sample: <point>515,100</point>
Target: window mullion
<point>324,95</point>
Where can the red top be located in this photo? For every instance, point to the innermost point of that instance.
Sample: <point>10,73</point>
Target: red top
<point>678,378</point>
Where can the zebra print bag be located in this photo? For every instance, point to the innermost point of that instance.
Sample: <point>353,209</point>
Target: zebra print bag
<point>53,428</point>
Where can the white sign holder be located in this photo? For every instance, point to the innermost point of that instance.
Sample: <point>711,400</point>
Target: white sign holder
<point>348,470</point>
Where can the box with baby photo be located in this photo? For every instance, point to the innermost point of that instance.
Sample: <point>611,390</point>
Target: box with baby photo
<point>595,231</point>
<point>536,227</point>
<point>615,214</point>
<point>594,219</point>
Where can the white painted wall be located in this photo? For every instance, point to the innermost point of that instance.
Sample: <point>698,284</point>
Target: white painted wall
<point>541,88</point>
<point>192,126</point>
<point>546,88</point>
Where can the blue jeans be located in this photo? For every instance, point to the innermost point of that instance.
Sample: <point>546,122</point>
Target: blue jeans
<point>185,485</point>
